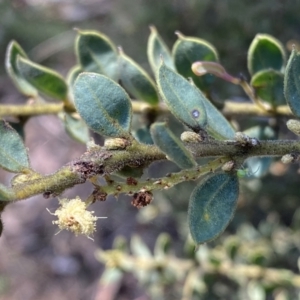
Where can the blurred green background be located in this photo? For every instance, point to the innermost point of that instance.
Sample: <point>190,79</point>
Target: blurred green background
<point>35,263</point>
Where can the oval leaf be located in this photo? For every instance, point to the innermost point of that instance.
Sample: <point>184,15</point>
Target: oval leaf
<point>13,154</point>
<point>136,80</point>
<point>72,74</point>
<point>217,125</point>
<point>265,52</point>
<point>43,79</point>
<point>212,205</point>
<point>14,50</point>
<point>96,53</point>
<point>188,50</point>
<point>102,104</point>
<point>156,50</point>
<point>184,100</point>
<point>292,83</point>
<point>172,146</point>
<point>268,85</point>
<point>76,129</point>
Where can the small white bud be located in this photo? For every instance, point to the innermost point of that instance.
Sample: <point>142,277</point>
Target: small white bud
<point>228,166</point>
<point>294,126</point>
<point>190,137</point>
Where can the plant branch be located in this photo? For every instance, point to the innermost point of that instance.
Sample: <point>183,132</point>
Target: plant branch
<point>162,183</point>
<point>230,109</point>
<point>31,110</point>
<point>100,161</point>
<point>241,109</point>
<point>124,261</point>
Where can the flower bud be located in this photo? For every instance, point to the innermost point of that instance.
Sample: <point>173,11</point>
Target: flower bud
<point>72,215</point>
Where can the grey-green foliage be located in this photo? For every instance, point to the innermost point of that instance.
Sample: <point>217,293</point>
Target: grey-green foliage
<point>13,154</point>
<point>212,206</point>
<point>104,85</point>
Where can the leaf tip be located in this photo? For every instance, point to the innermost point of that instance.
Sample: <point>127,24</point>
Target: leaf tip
<point>179,34</point>
<point>153,29</point>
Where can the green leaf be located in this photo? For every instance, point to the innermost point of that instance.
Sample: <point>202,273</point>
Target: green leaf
<point>217,125</point>
<point>96,53</point>
<point>13,154</point>
<point>139,248</point>
<point>167,142</point>
<point>76,128</point>
<point>184,100</point>
<point>265,52</point>
<point>162,245</point>
<point>136,80</point>
<point>292,83</point>
<point>157,50</point>
<point>72,75</point>
<point>188,50</point>
<point>102,104</point>
<point>212,205</point>
<point>43,79</point>
<point>6,195</point>
<point>143,135</point>
<point>14,50</point>
<point>268,85</point>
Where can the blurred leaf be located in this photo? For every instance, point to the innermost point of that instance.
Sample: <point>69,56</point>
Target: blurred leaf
<point>143,135</point>
<point>76,128</point>
<point>265,52</point>
<point>172,146</point>
<point>96,53</point>
<point>162,245</point>
<point>13,154</point>
<point>136,80</point>
<point>43,79</point>
<point>212,205</point>
<point>259,166</point>
<point>157,50</point>
<point>102,104</point>
<point>184,100</point>
<point>5,196</point>
<point>139,248</point>
<point>292,83</point>
<point>261,132</point>
<point>256,291</point>
<point>72,75</point>
<point>268,85</point>
<point>188,50</point>
<point>111,276</point>
<point>13,51</point>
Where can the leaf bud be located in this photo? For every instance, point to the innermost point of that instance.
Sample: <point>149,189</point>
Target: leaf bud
<point>228,166</point>
<point>289,158</point>
<point>294,126</point>
<point>190,137</point>
<point>116,144</point>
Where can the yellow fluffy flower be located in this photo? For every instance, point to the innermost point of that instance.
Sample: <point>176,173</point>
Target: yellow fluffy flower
<point>72,215</point>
